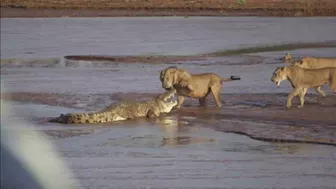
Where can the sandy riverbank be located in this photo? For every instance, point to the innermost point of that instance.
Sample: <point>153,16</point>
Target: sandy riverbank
<point>100,8</point>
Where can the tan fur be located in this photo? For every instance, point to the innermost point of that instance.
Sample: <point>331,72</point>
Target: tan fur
<point>312,63</point>
<point>195,86</point>
<point>301,79</point>
<point>123,111</point>
<point>288,58</point>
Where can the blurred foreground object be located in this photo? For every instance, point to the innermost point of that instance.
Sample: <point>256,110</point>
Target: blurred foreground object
<point>28,160</point>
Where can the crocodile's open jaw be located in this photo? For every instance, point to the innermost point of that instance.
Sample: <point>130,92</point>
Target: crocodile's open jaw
<point>169,101</point>
<point>170,96</point>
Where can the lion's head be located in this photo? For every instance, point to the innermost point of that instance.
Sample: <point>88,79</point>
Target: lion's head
<point>288,58</point>
<point>172,75</point>
<point>279,75</point>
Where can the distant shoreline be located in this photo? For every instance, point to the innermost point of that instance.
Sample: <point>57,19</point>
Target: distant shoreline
<point>9,12</point>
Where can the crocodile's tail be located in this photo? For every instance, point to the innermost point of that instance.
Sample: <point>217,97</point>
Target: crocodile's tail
<point>80,118</point>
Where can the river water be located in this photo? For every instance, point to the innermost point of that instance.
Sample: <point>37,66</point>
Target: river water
<point>55,37</point>
<point>171,151</point>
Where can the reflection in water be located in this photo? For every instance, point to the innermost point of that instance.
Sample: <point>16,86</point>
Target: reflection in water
<point>296,148</point>
<point>177,131</point>
<point>288,149</point>
<point>173,128</point>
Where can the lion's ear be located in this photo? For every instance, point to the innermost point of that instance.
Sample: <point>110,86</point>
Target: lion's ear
<point>162,74</point>
<point>301,62</point>
<point>283,68</point>
<point>183,75</point>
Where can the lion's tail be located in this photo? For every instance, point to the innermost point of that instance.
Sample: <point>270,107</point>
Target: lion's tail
<point>230,78</point>
<point>78,118</point>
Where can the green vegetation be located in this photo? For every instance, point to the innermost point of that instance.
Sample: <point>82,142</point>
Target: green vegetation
<point>241,2</point>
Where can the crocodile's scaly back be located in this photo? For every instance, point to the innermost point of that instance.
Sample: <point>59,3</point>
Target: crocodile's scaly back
<point>96,117</point>
<point>122,111</point>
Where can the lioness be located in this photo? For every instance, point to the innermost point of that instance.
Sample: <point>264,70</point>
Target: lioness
<point>312,63</point>
<point>195,86</point>
<point>288,58</point>
<point>301,79</point>
<point>123,111</point>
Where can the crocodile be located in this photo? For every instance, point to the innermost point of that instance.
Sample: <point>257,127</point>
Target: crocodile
<point>162,103</point>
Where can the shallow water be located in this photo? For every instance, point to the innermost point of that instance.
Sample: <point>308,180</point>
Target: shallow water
<point>113,78</point>
<point>56,37</point>
<point>171,151</point>
<point>140,156</point>
<point>178,152</point>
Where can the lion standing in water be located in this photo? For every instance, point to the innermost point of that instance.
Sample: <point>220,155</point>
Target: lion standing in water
<point>193,85</point>
<point>301,79</point>
<point>312,63</point>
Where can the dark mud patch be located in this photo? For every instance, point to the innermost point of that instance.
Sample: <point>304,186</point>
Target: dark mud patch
<point>260,116</point>
<point>264,127</point>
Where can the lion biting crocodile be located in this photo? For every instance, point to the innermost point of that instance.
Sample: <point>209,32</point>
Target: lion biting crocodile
<point>197,86</point>
<point>123,111</point>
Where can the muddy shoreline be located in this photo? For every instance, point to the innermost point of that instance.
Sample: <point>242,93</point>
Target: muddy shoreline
<point>266,115</point>
<point>10,12</point>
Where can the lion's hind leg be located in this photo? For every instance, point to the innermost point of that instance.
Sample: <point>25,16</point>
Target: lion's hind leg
<point>216,89</point>
<point>319,91</point>
<point>333,87</point>
<point>332,83</point>
<point>302,95</point>
<point>202,100</point>
<point>180,100</point>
